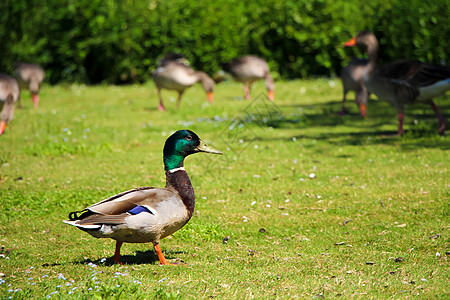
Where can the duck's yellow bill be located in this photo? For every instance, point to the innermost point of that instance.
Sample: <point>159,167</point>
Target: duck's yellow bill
<point>205,148</point>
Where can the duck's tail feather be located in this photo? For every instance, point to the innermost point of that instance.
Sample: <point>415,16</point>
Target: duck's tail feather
<point>84,227</point>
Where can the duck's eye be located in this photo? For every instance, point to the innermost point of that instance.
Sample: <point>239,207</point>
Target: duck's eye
<point>189,137</point>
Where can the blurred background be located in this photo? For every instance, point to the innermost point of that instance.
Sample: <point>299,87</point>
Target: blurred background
<point>119,42</point>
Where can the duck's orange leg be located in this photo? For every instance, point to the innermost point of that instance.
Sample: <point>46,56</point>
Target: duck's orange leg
<point>161,257</point>
<point>117,252</point>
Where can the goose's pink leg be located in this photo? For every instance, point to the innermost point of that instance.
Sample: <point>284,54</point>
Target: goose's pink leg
<point>439,117</point>
<point>401,117</point>
<point>247,92</point>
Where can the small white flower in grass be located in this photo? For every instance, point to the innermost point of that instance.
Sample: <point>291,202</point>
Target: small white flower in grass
<point>423,279</point>
<point>256,176</point>
<point>89,289</point>
<point>287,200</point>
<point>319,197</point>
<point>61,276</point>
<point>68,284</point>
<point>102,260</point>
<point>294,139</point>
<point>10,290</point>
<point>312,176</point>
<point>58,286</point>
<point>244,218</point>
<point>253,203</point>
<point>438,254</point>
<point>92,265</point>
<point>162,280</point>
<point>31,268</point>
<point>267,205</point>
<point>118,285</point>
<point>2,281</point>
<point>301,179</point>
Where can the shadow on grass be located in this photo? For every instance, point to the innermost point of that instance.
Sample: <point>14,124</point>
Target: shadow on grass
<point>420,124</point>
<point>140,258</point>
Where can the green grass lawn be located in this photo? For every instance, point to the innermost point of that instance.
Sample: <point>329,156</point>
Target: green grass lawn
<point>373,222</point>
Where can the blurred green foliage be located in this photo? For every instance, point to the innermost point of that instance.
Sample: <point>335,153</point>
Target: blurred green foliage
<point>120,41</point>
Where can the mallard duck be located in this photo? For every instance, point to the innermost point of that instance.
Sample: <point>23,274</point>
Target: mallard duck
<point>402,82</point>
<point>351,76</point>
<point>9,95</point>
<point>147,214</point>
<point>30,77</point>
<point>248,69</point>
<point>174,74</point>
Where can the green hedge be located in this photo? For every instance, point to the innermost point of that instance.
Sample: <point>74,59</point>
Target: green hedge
<point>116,41</point>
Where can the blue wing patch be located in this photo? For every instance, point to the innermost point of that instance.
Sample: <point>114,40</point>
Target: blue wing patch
<point>139,209</point>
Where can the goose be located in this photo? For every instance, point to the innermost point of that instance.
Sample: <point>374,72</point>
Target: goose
<point>30,77</point>
<point>248,69</point>
<point>174,74</point>
<point>9,95</point>
<point>351,77</point>
<point>402,82</point>
<point>147,214</point>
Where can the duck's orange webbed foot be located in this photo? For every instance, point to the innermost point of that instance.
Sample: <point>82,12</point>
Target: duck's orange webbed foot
<point>161,257</point>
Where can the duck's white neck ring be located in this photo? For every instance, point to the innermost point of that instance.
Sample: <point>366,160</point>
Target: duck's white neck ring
<point>176,169</point>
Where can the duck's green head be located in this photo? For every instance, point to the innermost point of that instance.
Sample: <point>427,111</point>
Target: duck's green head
<point>181,144</point>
